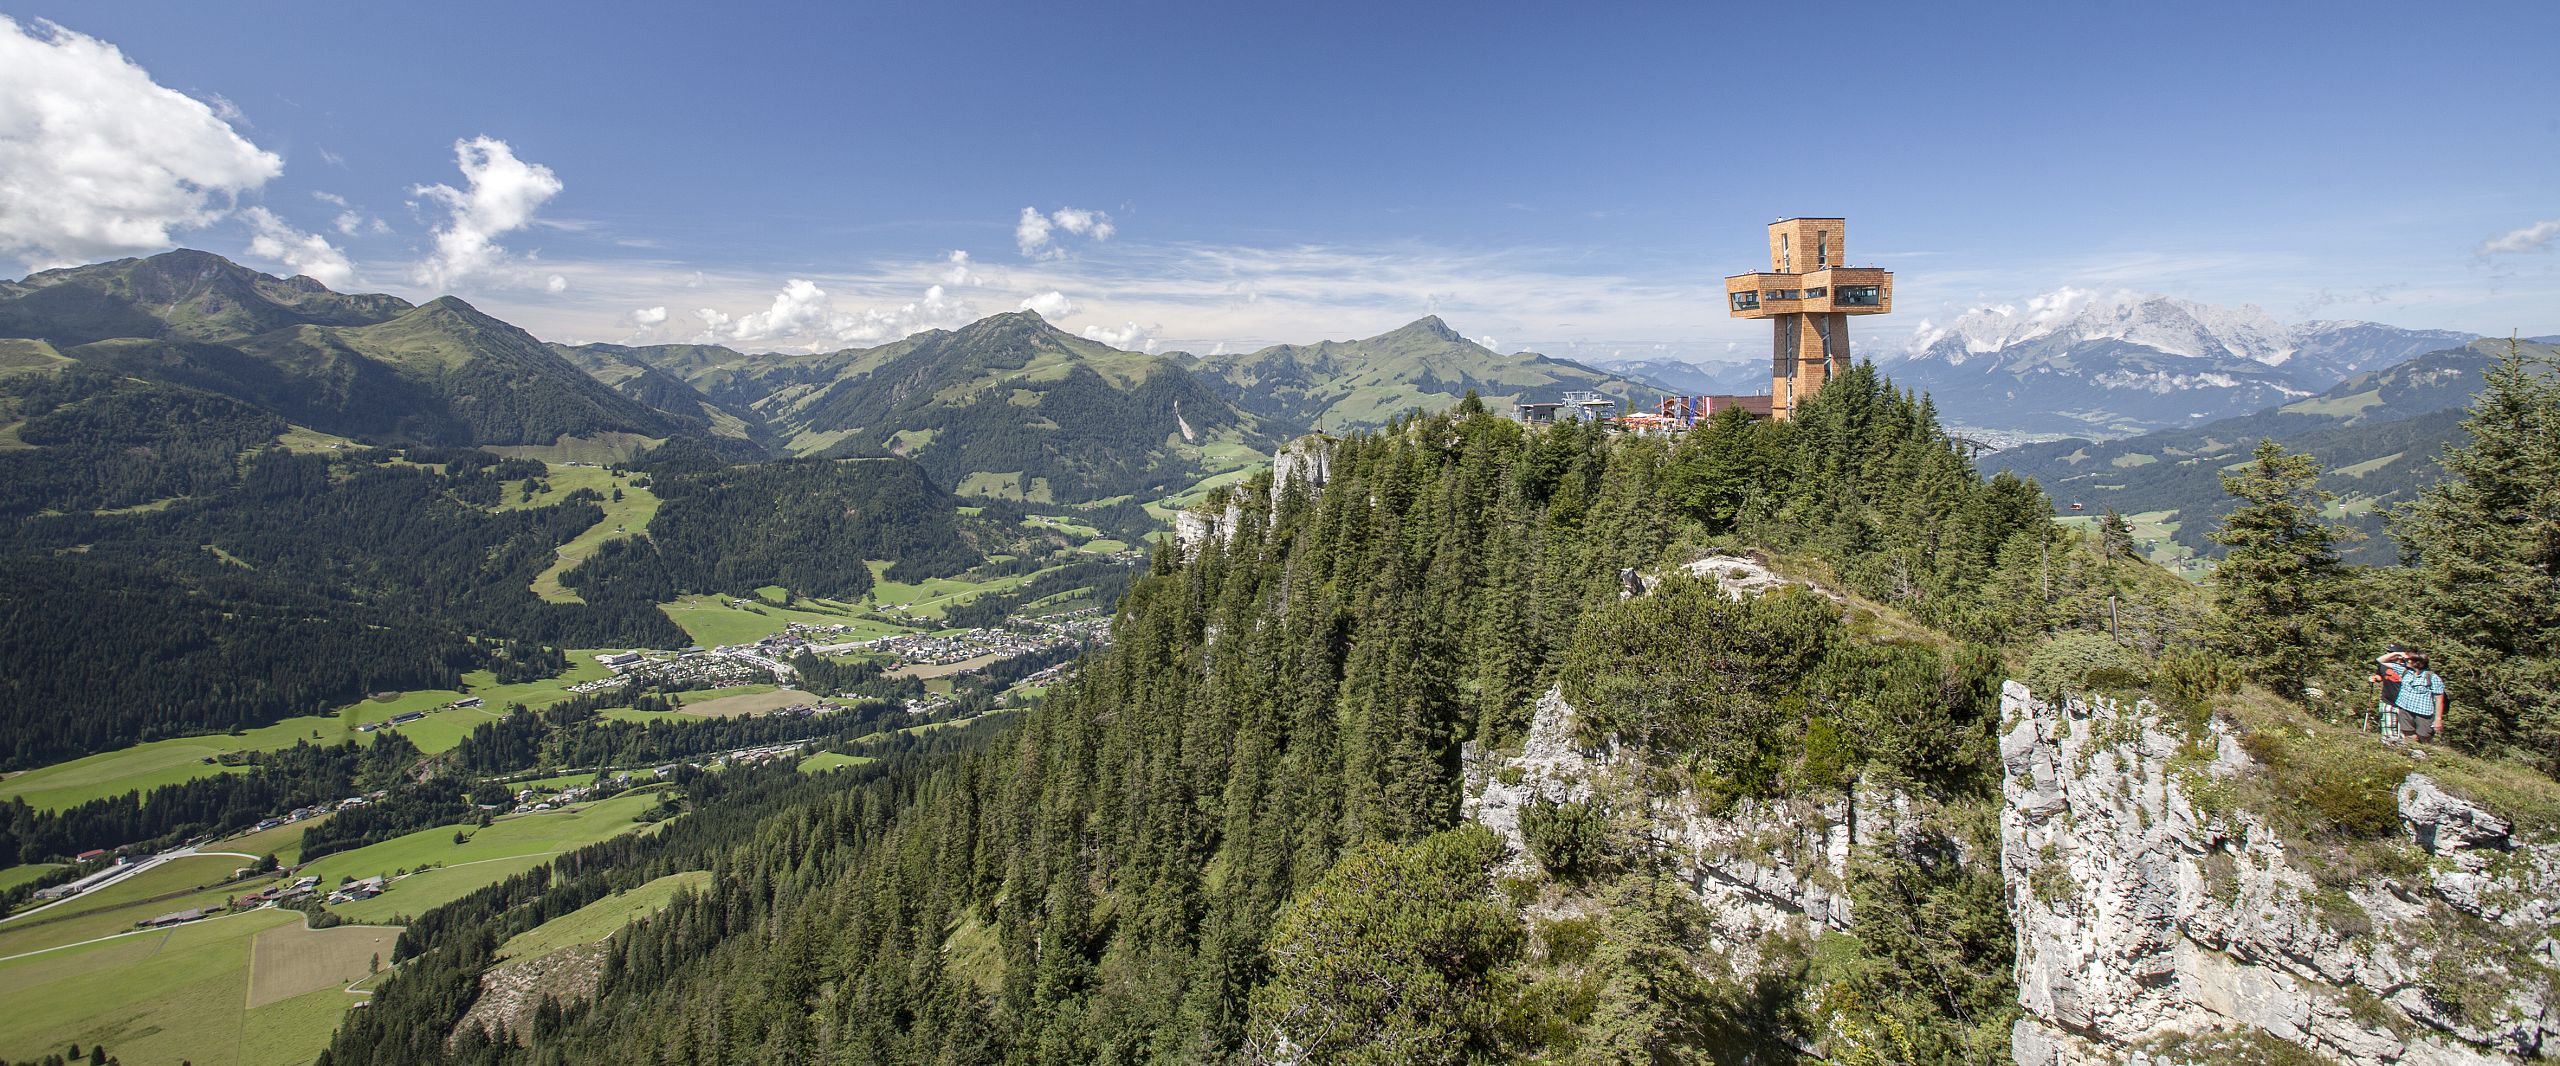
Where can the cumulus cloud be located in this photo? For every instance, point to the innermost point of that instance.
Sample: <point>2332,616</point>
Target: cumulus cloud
<point>649,317</point>
<point>2533,238</point>
<point>802,315</point>
<point>960,273</point>
<point>97,160</point>
<point>1052,305</point>
<point>307,253</point>
<point>555,285</point>
<point>1036,234</point>
<point>500,195</point>
<point>350,222</point>
<point>1129,337</point>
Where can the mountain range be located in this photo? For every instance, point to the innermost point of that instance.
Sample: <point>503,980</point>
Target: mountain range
<point>2376,435</point>
<point>1007,407</point>
<point>361,366</point>
<point>2110,364</point>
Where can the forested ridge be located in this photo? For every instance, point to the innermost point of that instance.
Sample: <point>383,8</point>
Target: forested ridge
<point>166,569</point>
<point>1256,785</point>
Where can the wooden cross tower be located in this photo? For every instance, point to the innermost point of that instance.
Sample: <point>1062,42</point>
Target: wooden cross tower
<point>1807,295</point>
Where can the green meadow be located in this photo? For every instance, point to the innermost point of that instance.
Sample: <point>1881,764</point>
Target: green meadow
<point>165,762</point>
<point>162,997</point>
<point>504,848</point>
<point>621,519</point>
<point>602,918</point>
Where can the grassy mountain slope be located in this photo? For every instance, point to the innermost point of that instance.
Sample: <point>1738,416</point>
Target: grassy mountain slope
<point>1007,407</point>
<point>620,369</point>
<point>363,366</point>
<point>1338,385</point>
<point>2376,436</point>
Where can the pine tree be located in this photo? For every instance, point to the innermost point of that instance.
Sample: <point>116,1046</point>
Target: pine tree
<point>2485,548</point>
<point>2115,536</point>
<point>2278,587</point>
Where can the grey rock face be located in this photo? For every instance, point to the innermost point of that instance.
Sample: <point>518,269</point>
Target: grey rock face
<point>2141,911</point>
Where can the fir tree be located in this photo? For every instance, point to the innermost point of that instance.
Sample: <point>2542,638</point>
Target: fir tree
<point>2485,555</point>
<point>2278,588</point>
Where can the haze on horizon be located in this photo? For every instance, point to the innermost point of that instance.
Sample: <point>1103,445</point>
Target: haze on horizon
<point>1156,177</point>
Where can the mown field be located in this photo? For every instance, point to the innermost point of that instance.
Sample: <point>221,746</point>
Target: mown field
<point>162,762</point>
<point>831,760</point>
<point>622,518</point>
<point>292,959</point>
<point>602,918</point>
<point>507,847</point>
<point>196,881</point>
<point>165,996</point>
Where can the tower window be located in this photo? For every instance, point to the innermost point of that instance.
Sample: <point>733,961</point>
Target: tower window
<point>1821,249</point>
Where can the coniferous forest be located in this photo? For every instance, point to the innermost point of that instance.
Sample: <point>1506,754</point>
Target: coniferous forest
<point>1237,834</point>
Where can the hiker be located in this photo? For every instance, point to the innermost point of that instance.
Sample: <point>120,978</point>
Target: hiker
<point>2386,709</point>
<point>2420,696</point>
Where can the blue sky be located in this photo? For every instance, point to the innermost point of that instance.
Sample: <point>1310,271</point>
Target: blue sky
<point>1574,178</point>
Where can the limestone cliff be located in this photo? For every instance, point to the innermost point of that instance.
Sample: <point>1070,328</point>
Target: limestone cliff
<point>2147,903</point>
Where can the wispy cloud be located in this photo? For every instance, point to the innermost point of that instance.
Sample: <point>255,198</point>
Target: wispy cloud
<point>2533,238</point>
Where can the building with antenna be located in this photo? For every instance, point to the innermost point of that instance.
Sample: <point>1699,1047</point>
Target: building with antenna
<point>1807,294</point>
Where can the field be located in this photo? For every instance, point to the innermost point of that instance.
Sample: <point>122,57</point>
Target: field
<point>196,881</point>
<point>602,918</point>
<point>933,596</point>
<point>749,703</point>
<point>631,515</point>
<point>161,997</point>
<point>292,959</point>
<point>284,841</point>
<point>830,760</point>
<point>166,762</point>
<point>934,670</point>
<point>509,846</point>
<point>13,876</point>
<point>711,622</point>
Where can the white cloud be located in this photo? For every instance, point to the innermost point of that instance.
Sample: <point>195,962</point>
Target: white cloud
<point>802,315</point>
<point>1052,305</point>
<point>555,285</point>
<point>1035,233</point>
<point>500,196</point>
<point>1129,337</point>
<point>329,198</point>
<point>2533,238</point>
<point>1489,344</point>
<point>98,160</point>
<point>960,274</point>
<point>307,253</point>
<point>649,317</point>
<point>1031,232</point>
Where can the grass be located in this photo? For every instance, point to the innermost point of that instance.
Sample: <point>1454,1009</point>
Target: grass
<point>162,997</point>
<point>507,847</point>
<point>711,622</point>
<point>149,765</point>
<point>831,760</point>
<point>199,881</point>
<point>935,596</point>
<point>602,918</point>
<point>293,959</point>
<point>284,841</point>
<point>632,515</point>
<point>749,703</point>
<point>13,876</point>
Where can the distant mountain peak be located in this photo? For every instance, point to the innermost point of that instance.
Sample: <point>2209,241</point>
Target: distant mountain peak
<point>2162,323</point>
<point>1426,326</point>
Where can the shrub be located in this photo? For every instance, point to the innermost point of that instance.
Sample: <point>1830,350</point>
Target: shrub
<point>2082,662</point>
<point>1569,839</point>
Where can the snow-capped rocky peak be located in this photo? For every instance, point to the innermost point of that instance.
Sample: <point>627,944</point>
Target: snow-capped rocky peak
<point>2070,315</point>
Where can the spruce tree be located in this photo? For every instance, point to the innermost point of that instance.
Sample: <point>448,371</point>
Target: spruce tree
<point>2278,586</point>
<point>2484,548</point>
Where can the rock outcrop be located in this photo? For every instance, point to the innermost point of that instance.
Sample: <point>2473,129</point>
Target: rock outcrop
<point>1762,868</point>
<point>2146,904</point>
